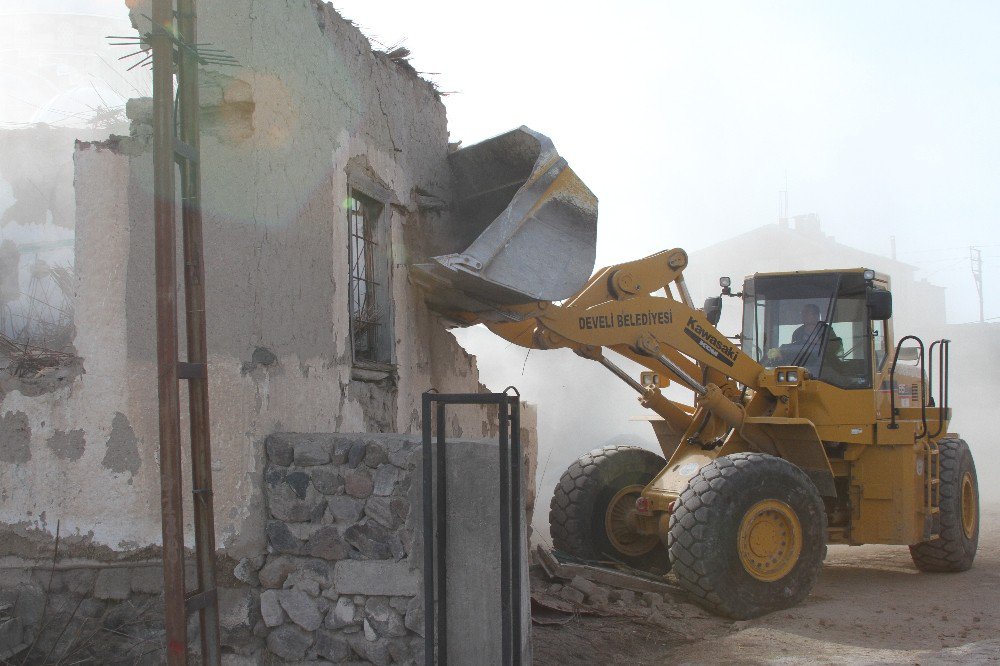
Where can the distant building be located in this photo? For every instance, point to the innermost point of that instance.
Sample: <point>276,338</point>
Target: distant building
<point>801,245</point>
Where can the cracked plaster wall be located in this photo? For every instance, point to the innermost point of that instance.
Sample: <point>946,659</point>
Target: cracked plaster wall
<point>309,97</point>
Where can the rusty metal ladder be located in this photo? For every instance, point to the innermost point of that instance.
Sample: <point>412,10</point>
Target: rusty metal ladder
<point>173,39</point>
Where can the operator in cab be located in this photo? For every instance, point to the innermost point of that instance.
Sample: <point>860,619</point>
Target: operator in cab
<point>810,322</point>
<point>813,338</point>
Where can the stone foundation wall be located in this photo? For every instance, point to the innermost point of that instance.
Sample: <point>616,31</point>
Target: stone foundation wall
<point>341,579</point>
<point>104,612</point>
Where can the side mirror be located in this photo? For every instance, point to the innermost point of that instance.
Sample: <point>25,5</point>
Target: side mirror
<point>713,309</point>
<point>879,304</point>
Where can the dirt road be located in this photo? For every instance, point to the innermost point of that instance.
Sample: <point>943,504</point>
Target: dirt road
<point>870,605</point>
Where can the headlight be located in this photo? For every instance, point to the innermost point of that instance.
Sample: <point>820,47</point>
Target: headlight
<point>793,376</point>
<point>725,282</point>
<point>869,275</point>
<point>781,375</point>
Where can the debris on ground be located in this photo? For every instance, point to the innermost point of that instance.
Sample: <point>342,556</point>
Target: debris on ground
<point>592,614</point>
<point>561,589</point>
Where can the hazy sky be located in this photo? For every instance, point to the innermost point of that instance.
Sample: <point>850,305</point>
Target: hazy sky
<point>685,117</point>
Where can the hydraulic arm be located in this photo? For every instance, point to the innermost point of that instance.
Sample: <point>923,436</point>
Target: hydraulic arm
<point>667,334</point>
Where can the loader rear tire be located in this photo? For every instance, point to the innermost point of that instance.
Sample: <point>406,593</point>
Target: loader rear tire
<point>586,516</point>
<point>955,548</point>
<point>748,535</point>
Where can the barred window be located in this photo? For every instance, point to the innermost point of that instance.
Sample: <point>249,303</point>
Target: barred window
<point>371,333</point>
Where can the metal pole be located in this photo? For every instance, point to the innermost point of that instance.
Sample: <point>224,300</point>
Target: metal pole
<point>428,493</point>
<point>441,539</point>
<point>166,332</point>
<point>505,535</point>
<point>517,511</point>
<point>197,353</point>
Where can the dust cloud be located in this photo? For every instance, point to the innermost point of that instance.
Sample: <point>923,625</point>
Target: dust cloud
<point>581,406</point>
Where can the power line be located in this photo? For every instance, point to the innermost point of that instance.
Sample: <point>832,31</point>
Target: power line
<point>976,259</point>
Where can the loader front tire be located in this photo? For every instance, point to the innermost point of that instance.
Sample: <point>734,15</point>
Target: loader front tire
<point>748,535</point>
<point>955,548</point>
<point>588,516</point>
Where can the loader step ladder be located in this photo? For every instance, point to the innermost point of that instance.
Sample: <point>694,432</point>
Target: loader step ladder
<point>932,490</point>
<point>173,38</point>
<point>931,452</point>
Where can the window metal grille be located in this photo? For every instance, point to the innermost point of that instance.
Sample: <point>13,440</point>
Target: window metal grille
<point>368,293</point>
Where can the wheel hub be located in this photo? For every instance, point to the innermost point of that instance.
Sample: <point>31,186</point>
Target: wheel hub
<point>619,524</point>
<point>769,540</point>
<point>970,506</point>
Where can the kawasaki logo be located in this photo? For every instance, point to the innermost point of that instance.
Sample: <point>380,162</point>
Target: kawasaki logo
<point>710,343</point>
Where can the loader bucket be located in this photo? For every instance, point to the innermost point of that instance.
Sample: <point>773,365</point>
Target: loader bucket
<point>526,227</point>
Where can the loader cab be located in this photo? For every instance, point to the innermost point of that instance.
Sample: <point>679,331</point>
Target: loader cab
<point>833,323</point>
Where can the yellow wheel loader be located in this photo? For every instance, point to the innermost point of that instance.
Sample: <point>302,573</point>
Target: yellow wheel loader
<point>809,428</point>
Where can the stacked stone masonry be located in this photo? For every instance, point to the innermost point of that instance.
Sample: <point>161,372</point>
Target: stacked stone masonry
<point>340,581</point>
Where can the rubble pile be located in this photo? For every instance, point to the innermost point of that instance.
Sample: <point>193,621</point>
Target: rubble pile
<point>561,591</point>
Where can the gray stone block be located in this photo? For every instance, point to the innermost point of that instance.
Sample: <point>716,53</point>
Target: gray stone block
<point>586,586</point>
<point>375,455</point>
<point>289,642</point>
<point>356,454</point>
<point>401,651</point>
<point>341,450</point>
<point>598,598</point>
<point>571,594</point>
<point>229,659</point>
<point>310,452</point>
<point>270,609</point>
<point>280,450</point>
<point>274,573</point>
<point>358,483</point>
<point>287,506</point>
<point>383,618</point>
<point>385,480</point>
<point>301,609</point>
<point>342,614</point>
<point>376,651</point>
<point>370,539</point>
<point>414,619</point>
<point>147,580</point>
<point>328,544</point>
<point>332,646</point>
<point>113,584</point>
<point>246,570</point>
<point>377,577</point>
<point>404,458</point>
<point>281,538</point>
<point>80,581</point>
<point>327,481</point>
<point>237,608</point>
<point>345,510</point>
<point>306,584</point>
<point>380,510</point>
<point>299,482</point>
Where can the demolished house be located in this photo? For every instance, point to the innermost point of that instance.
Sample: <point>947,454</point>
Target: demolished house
<point>326,179</point>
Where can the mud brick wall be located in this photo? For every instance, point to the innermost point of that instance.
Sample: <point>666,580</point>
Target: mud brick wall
<point>341,579</point>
